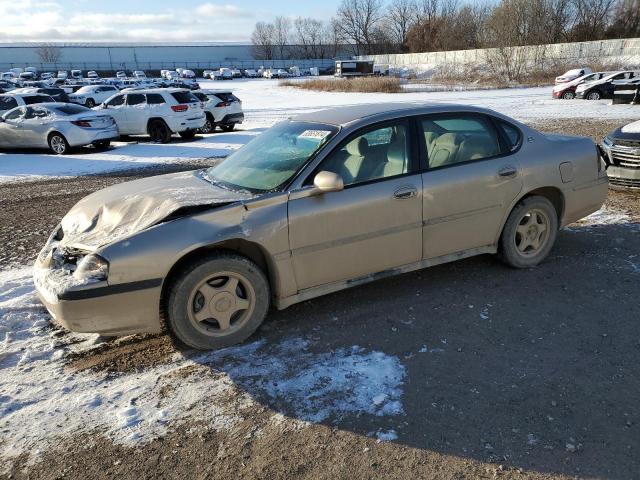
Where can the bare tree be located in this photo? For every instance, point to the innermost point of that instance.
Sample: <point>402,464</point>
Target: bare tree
<point>282,32</point>
<point>357,20</point>
<point>399,19</point>
<point>627,20</point>
<point>49,53</point>
<point>309,37</point>
<point>593,17</point>
<point>263,40</point>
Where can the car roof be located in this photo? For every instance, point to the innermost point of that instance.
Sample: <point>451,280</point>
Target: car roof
<point>160,90</point>
<point>350,114</point>
<point>207,91</point>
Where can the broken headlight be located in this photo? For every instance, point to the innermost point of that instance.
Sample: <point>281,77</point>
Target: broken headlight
<point>92,268</point>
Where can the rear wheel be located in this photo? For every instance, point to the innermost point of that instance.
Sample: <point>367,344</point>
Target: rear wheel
<point>595,95</point>
<point>218,301</point>
<point>159,132</point>
<point>530,232</point>
<point>90,103</point>
<point>58,144</point>
<point>229,127</point>
<point>188,134</point>
<point>568,95</point>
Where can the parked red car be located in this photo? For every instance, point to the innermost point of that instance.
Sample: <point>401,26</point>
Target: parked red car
<point>567,90</point>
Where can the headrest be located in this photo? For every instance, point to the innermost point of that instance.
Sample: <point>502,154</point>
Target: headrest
<point>448,139</point>
<point>358,147</point>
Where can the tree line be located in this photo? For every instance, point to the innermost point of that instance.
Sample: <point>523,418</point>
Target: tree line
<point>366,27</point>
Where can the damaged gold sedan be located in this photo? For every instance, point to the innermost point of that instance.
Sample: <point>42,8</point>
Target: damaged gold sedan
<point>317,204</point>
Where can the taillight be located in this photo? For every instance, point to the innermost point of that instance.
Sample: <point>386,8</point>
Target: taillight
<point>179,108</point>
<point>223,104</point>
<point>82,123</point>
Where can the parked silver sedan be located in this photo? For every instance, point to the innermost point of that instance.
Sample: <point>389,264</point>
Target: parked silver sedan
<point>58,126</point>
<point>323,202</point>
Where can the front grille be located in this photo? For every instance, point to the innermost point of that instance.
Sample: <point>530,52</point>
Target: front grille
<point>624,182</point>
<point>627,143</point>
<point>626,156</point>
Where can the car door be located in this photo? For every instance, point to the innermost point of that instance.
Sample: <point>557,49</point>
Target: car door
<point>373,224</point>
<point>473,177</point>
<point>137,113</point>
<point>11,128</point>
<point>35,126</point>
<point>118,110</point>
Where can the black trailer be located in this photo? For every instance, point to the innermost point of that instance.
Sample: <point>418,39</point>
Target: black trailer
<point>354,68</point>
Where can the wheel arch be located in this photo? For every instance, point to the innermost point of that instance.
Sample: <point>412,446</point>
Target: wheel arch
<point>553,194</point>
<point>251,250</point>
<point>153,119</point>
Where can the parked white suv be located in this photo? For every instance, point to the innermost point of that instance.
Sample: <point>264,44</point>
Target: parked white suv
<point>92,95</point>
<point>222,109</point>
<point>158,112</point>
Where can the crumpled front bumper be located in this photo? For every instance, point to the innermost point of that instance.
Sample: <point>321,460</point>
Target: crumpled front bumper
<point>96,307</point>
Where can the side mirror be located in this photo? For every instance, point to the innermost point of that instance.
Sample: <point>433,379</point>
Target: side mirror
<point>328,182</point>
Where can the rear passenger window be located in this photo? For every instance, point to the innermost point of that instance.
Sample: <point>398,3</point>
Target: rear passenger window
<point>454,139</point>
<point>511,133</point>
<point>116,101</point>
<point>155,99</point>
<point>135,99</point>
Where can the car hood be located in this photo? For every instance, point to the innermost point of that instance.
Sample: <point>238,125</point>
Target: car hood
<point>630,131</point>
<point>122,210</point>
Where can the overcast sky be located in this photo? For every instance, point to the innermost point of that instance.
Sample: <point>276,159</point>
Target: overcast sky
<point>146,20</point>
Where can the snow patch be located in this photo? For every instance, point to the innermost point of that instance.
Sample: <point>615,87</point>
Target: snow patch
<point>42,400</point>
<point>633,127</point>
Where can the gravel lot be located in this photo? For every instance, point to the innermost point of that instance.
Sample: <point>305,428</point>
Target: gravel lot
<point>526,374</point>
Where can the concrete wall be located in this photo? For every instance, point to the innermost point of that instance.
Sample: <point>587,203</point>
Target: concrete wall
<point>626,51</point>
<point>143,57</point>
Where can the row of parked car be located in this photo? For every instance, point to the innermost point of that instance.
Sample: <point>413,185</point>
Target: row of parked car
<point>35,120</point>
<point>622,86</point>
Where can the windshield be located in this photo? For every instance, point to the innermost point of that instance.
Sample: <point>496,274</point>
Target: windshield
<point>272,158</point>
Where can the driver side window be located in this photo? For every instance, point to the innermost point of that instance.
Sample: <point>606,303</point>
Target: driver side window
<point>116,101</point>
<point>375,154</point>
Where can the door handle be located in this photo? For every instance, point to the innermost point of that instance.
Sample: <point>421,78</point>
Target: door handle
<point>508,171</point>
<point>405,192</point>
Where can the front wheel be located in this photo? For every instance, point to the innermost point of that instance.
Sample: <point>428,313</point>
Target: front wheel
<point>529,233</point>
<point>218,301</point>
<point>208,127</point>
<point>188,134</point>
<point>90,103</point>
<point>58,144</point>
<point>595,95</point>
<point>568,95</point>
<point>228,128</point>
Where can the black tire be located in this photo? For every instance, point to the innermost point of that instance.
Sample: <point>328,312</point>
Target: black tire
<point>568,95</point>
<point>228,128</point>
<point>517,248</point>
<point>593,95</point>
<point>102,144</point>
<point>90,103</point>
<point>58,144</point>
<point>185,301</point>
<point>209,125</point>
<point>188,134</point>
<point>159,131</point>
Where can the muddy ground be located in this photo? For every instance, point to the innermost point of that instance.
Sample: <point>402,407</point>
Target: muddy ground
<point>538,375</point>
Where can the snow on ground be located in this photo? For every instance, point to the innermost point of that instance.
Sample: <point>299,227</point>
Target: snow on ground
<point>265,103</point>
<point>42,398</point>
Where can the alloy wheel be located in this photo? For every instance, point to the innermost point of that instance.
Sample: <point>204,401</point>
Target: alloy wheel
<point>532,233</point>
<point>221,304</point>
<point>58,144</point>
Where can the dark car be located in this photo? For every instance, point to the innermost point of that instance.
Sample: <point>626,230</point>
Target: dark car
<point>622,148</point>
<point>604,87</point>
<point>58,94</point>
<point>628,92</point>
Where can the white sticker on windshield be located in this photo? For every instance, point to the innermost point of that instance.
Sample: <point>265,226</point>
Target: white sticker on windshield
<point>317,134</point>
